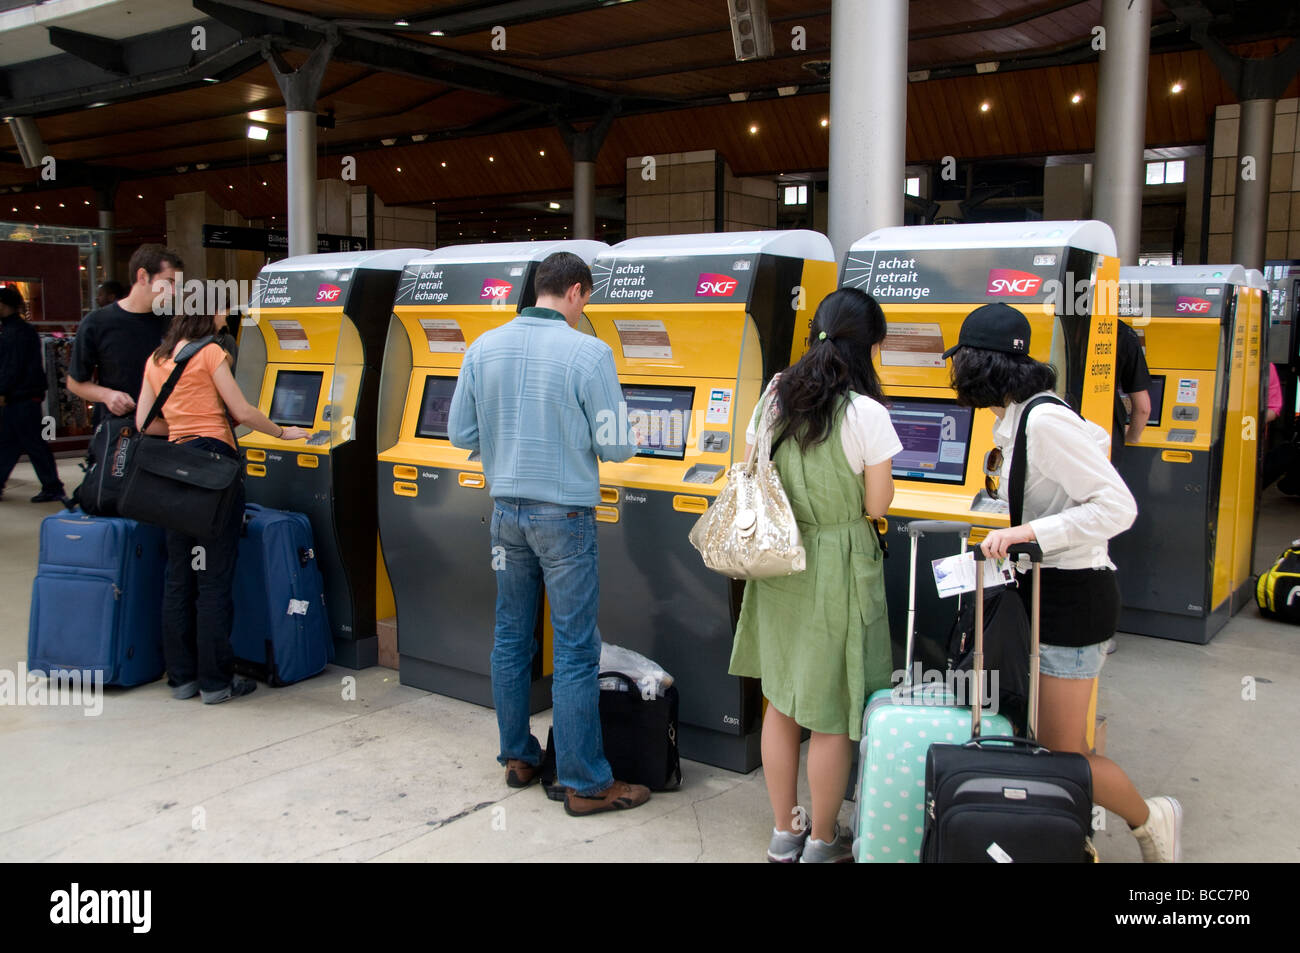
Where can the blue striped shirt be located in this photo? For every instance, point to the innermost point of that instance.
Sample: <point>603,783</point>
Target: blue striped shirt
<point>540,401</point>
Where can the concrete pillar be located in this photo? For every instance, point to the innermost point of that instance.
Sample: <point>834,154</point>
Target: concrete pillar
<point>868,117</point>
<point>584,199</point>
<point>300,148</point>
<point>1121,122</point>
<point>1250,212</point>
<point>107,219</point>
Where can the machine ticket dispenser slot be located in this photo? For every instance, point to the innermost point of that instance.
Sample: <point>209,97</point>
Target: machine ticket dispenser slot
<point>309,356</point>
<point>1185,565</point>
<point>434,506</point>
<point>697,324</point>
<point>1063,277</point>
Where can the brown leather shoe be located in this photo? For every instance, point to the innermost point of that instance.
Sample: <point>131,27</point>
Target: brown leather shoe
<point>520,774</point>
<point>619,796</point>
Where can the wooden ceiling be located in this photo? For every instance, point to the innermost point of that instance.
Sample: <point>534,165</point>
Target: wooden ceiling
<point>673,50</point>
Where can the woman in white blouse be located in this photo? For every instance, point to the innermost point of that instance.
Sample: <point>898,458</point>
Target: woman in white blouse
<point>1073,502</point>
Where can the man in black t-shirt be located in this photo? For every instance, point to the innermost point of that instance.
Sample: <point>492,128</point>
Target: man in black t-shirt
<point>114,342</point>
<point>1133,379</point>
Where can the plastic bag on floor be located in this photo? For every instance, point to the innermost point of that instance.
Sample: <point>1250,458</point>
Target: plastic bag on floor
<point>648,675</point>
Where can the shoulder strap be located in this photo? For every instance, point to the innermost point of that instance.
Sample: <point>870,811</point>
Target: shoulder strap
<point>183,358</point>
<point>1019,454</point>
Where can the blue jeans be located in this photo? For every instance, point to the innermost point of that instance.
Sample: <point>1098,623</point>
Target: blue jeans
<point>554,544</point>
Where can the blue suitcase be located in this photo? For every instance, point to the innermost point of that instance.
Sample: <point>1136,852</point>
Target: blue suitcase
<point>898,727</point>
<point>281,632</point>
<point>97,599</point>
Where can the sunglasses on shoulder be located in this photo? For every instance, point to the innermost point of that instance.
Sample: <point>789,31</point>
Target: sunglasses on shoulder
<point>993,471</point>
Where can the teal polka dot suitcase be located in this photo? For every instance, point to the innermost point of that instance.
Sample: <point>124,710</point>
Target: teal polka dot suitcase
<point>898,727</point>
<point>897,732</point>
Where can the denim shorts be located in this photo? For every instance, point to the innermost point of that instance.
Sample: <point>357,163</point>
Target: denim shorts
<point>1066,661</point>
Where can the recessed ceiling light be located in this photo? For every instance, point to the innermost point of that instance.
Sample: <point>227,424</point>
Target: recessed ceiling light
<point>211,79</point>
<point>825,122</point>
<point>264,182</point>
<point>401,23</point>
<point>542,153</point>
<point>258,132</point>
<point>492,158</point>
<point>399,168</point>
<point>1076,98</point>
<point>38,208</point>
<point>61,205</point>
<point>753,130</point>
<point>436,33</point>
<point>554,205</point>
<point>1177,87</point>
<point>96,105</point>
<point>139,195</point>
<point>444,165</point>
<point>230,186</point>
<point>86,202</point>
<point>985,106</point>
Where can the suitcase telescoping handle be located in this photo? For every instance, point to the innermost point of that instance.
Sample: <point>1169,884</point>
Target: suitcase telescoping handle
<point>915,530</point>
<point>1035,554</point>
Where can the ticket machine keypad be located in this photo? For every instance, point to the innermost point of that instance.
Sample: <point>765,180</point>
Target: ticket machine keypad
<point>318,438</point>
<point>1182,435</point>
<point>703,473</point>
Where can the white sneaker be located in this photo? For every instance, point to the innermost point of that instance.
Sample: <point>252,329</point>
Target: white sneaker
<point>838,851</point>
<point>785,847</point>
<point>1161,836</point>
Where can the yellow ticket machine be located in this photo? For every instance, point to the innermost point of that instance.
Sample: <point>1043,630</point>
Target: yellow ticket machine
<point>1185,565</point>
<point>1063,276</point>
<point>697,324</point>
<point>434,505</point>
<point>309,357</point>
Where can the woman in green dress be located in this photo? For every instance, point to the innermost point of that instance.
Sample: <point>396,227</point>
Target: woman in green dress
<point>819,639</point>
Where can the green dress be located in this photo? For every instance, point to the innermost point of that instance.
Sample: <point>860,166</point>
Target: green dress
<point>819,639</point>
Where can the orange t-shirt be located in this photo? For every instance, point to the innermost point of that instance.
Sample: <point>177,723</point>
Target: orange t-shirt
<point>195,408</point>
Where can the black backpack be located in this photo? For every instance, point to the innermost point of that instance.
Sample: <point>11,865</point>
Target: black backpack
<point>105,466</point>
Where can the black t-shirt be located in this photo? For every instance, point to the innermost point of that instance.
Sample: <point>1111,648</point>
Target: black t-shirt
<point>1131,376</point>
<point>112,345</point>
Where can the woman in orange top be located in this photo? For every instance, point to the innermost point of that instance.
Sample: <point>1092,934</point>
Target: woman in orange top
<point>197,604</point>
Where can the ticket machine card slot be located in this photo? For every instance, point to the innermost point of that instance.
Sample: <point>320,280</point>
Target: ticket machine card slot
<point>1187,413</point>
<point>609,494</point>
<point>255,456</point>
<point>715,441</point>
<point>690,504</point>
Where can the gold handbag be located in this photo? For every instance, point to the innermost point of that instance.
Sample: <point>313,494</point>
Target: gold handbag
<point>749,531</point>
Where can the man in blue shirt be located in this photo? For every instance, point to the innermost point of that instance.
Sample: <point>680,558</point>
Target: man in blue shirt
<point>540,401</point>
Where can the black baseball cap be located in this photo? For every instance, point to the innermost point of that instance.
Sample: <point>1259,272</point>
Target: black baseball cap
<point>993,327</point>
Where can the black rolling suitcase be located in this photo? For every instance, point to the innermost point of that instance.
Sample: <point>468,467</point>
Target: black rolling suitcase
<point>1000,799</point>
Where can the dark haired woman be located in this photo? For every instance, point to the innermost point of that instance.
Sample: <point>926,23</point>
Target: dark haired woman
<point>1074,502</point>
<point>819,640</point>
<point>197,605</point>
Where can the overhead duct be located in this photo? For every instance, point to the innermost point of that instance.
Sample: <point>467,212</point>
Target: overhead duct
<point>751,31</point>
<point>31,147</point>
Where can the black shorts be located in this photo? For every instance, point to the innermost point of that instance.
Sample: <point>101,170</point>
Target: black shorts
<point>1079,606</point>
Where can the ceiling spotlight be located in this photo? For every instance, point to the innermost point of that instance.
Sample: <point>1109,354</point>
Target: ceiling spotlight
<point>211,79</point>
<point>86,202</point>
<point>1177,87</point>
<point>401,23</point>
<point>787,90</point>
<point>753,130</point>
<point>139,196</point>
<point>553,205</point>
<point>825,122</point>
<point>60,205</point>
<point>738,97</point>
<point>388,142</point>
<point>436,33</point>
<point>918,76</point>
<point>201,166</point>
<point>96,105</point>
<point>444,165</point>
<point>419,137</point>
<point>991,67</point>
<point>399,168</point>
<point>492,158</point>
<point>1076,98</point>
<point>258,132</point>
<point>985,106</point>
<point>542,153</point>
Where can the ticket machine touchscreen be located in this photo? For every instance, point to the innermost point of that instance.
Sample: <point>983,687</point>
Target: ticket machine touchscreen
<point>435,407</point>
<point>660,419</point>
<point>936,439</point>
<point>293,402</point>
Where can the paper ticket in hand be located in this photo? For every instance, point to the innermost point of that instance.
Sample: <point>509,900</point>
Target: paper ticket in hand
<point>954,575</point>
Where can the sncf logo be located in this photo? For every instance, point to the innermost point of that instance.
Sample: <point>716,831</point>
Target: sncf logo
<point>496,288</point>
<point>1188,305</point>
<point>1009,283</point>
<point>328,293</point>
<point>715,286</point>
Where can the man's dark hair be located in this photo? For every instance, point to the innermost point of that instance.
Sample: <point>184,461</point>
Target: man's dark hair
<point>153,259</point>
<point>559,272</point>
<point>117,289</point>
<point>984,378</point>
<point>13,298</point>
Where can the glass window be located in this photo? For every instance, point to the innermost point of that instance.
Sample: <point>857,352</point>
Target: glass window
<point>1155,173</point>
<point>1175,171</point>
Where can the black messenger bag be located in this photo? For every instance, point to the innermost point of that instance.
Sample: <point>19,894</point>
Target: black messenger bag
<point>180,488</point>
